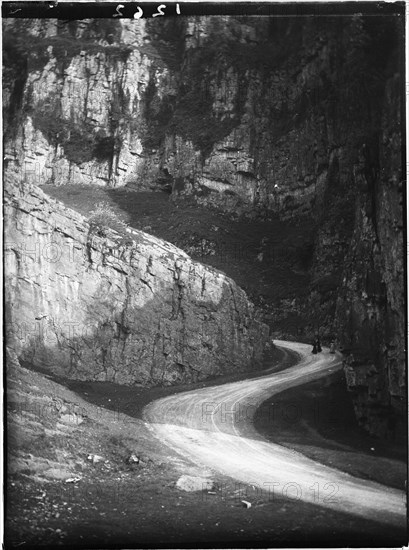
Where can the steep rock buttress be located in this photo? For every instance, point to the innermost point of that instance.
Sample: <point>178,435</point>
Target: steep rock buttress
<point>130,308</point>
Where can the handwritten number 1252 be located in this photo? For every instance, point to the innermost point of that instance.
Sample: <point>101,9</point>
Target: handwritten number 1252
<point>139,13</point>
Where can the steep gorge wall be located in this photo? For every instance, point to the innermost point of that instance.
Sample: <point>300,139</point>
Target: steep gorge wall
<point>364,166</point>
<point>130,309</point>
<point>371,304</point>
<point>248,114</point>
<point>295,116</point>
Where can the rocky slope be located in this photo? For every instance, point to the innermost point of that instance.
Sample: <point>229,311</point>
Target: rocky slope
<point>90,303</point>
<point>254,115</point>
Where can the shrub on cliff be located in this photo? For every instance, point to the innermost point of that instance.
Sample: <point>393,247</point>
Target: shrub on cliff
<point>103,217</point>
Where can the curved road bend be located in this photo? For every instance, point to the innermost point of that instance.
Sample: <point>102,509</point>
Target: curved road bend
<point>212,425</point>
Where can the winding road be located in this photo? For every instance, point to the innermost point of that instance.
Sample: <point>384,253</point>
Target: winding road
<point>212,426</point>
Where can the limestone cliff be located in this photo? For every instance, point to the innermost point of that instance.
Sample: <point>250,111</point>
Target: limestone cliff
<point>370,308</point>
<point>294,116</point>
<point>125,308</point>
<point>245,113</point>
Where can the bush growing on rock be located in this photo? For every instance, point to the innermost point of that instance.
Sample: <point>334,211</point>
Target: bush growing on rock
<point>103,217</point>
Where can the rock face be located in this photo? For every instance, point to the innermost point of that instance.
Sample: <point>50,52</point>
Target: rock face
<point>245,113</point>
<point>370,308</point>
<point>255,115</point>
<point>130,309</point>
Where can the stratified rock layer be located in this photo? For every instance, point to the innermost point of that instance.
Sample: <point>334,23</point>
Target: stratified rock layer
<point>130,309</point>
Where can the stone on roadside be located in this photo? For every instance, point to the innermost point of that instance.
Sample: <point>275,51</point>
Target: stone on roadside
<point>72,480</point>
<point>72,418</point>
<point>95,458</point>
<point>194,483</point>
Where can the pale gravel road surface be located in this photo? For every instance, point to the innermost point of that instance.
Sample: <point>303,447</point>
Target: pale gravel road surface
<point>212,426</point>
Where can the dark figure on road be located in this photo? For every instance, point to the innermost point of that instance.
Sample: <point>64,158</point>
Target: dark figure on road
<point>317,343</point>
<point>332,347</point>
<point>314,349</point>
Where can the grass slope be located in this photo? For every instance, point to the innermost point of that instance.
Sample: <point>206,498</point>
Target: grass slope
<point>268,259</point>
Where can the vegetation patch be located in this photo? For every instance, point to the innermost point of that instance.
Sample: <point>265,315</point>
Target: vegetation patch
<point>64,48</point>
<point>193,120</point>
<point>80,141</point>
<point>191,115</point>
<point>159,113</point>
<point>103,217</point>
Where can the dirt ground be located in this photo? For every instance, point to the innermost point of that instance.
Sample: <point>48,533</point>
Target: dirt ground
<point>60,494</point>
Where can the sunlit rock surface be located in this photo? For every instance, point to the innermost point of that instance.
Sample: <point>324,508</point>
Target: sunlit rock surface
<point>129,308</point>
